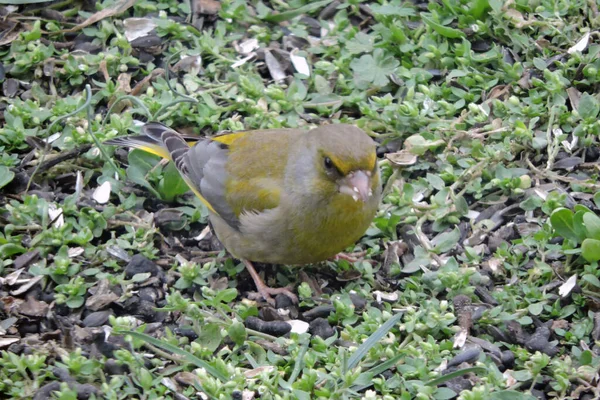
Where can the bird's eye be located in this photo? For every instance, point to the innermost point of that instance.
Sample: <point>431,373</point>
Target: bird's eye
<point>328,163</point>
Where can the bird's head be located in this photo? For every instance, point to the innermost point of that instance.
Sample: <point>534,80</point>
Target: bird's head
<point>340,164</point>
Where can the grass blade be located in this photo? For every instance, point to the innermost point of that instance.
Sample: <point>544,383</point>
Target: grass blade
<point>364,348</point>
<point>192,359</point>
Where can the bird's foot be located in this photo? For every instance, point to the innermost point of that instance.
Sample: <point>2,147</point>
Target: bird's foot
<point>265,291</point>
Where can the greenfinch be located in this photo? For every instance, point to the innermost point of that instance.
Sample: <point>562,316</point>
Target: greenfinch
<point>278,196</point>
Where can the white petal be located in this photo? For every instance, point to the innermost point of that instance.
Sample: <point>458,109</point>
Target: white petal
<point>298,326</point>
<point>566,287</point>
<point>300,63</point>
<point>581,45</point>
<point>102,193</point>
<point>56,215</point>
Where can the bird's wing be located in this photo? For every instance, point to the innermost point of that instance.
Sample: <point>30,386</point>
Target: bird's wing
<point>231,173</point>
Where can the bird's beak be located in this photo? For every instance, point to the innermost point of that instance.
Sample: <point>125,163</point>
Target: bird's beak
<point>357,184</point>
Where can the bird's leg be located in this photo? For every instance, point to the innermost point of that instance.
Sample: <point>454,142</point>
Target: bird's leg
<point>264,290</point>
<point>353,257</point>
<point>350,257</point>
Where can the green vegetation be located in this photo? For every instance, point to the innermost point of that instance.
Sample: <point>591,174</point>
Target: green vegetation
<point>480,278</point>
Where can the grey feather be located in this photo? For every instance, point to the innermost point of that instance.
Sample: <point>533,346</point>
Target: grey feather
<point>203,166</point>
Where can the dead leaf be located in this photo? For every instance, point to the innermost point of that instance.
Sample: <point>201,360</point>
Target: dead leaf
<point>574,97</point>
<point>30,283</point>
<point>102,67</point>
<point>101,296</point>
<point>33,308</point>
<point>142,85</point>
<point>274,67</point>
<point>497,92</point>
<point>460,339</point>
<point>24,260</point>
<point>10,30</point>
<point>115,9</point>
<point>12,278</point>
<point>189,64</point>
<point>136,28</point>
<point>253,373</point>
<point>402,158</point>
<point>7,341</point>
<point>518,19</point>
<point>510,380</point>
<point>124,83</point>
<point>247,46</point>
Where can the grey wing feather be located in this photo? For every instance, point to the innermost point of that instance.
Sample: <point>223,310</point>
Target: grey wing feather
<point>206,166</point>
<point>203,166</point>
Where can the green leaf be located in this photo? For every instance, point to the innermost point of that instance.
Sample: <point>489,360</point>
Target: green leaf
<point>479,8</point>
<point>237,332</point>
<point>579,225</point>
<point>361,43</point>
<point>511,395</point>
<point>597,199</point>
<point>210,336</point>
<point>226,295</point>
<point>536,308</point>
<point>590,250</point>
<point>444,393</point>
<point>6,176</point>
<point>141,277</point>
<point>10,249</point>
<point>172,184</point>
<point>539,63</point>
<point>287,15</point>
<point>588,106</point>
<point>592,279</point>
<point>418,145</point>
<point>586,357</point>
<point>445,241</point>
<point>592,225</point>
<point>140,164</point>
<point>374,68</point>
<point>392,10</point>
<point>435,181</point>
<point>189,357</point>
<point>445,31</point>
<point>461,205</point>
<point>75,302</point>
<point>562,222</point>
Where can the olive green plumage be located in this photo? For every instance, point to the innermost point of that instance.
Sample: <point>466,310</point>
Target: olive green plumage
<point>282,196</point>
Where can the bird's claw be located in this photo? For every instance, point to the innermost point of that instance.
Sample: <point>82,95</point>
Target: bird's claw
<point>266,292</point>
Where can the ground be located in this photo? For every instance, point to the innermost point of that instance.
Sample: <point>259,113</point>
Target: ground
<point>478,278</point>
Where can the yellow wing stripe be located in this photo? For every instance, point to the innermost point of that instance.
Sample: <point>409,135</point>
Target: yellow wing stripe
<point>156,150</point>
<point>228,138</point>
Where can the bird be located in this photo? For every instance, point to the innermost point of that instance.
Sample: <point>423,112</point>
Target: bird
<point>277,196</point>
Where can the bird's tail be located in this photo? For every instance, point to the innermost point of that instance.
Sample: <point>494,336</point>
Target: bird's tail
<point>155,139</point>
